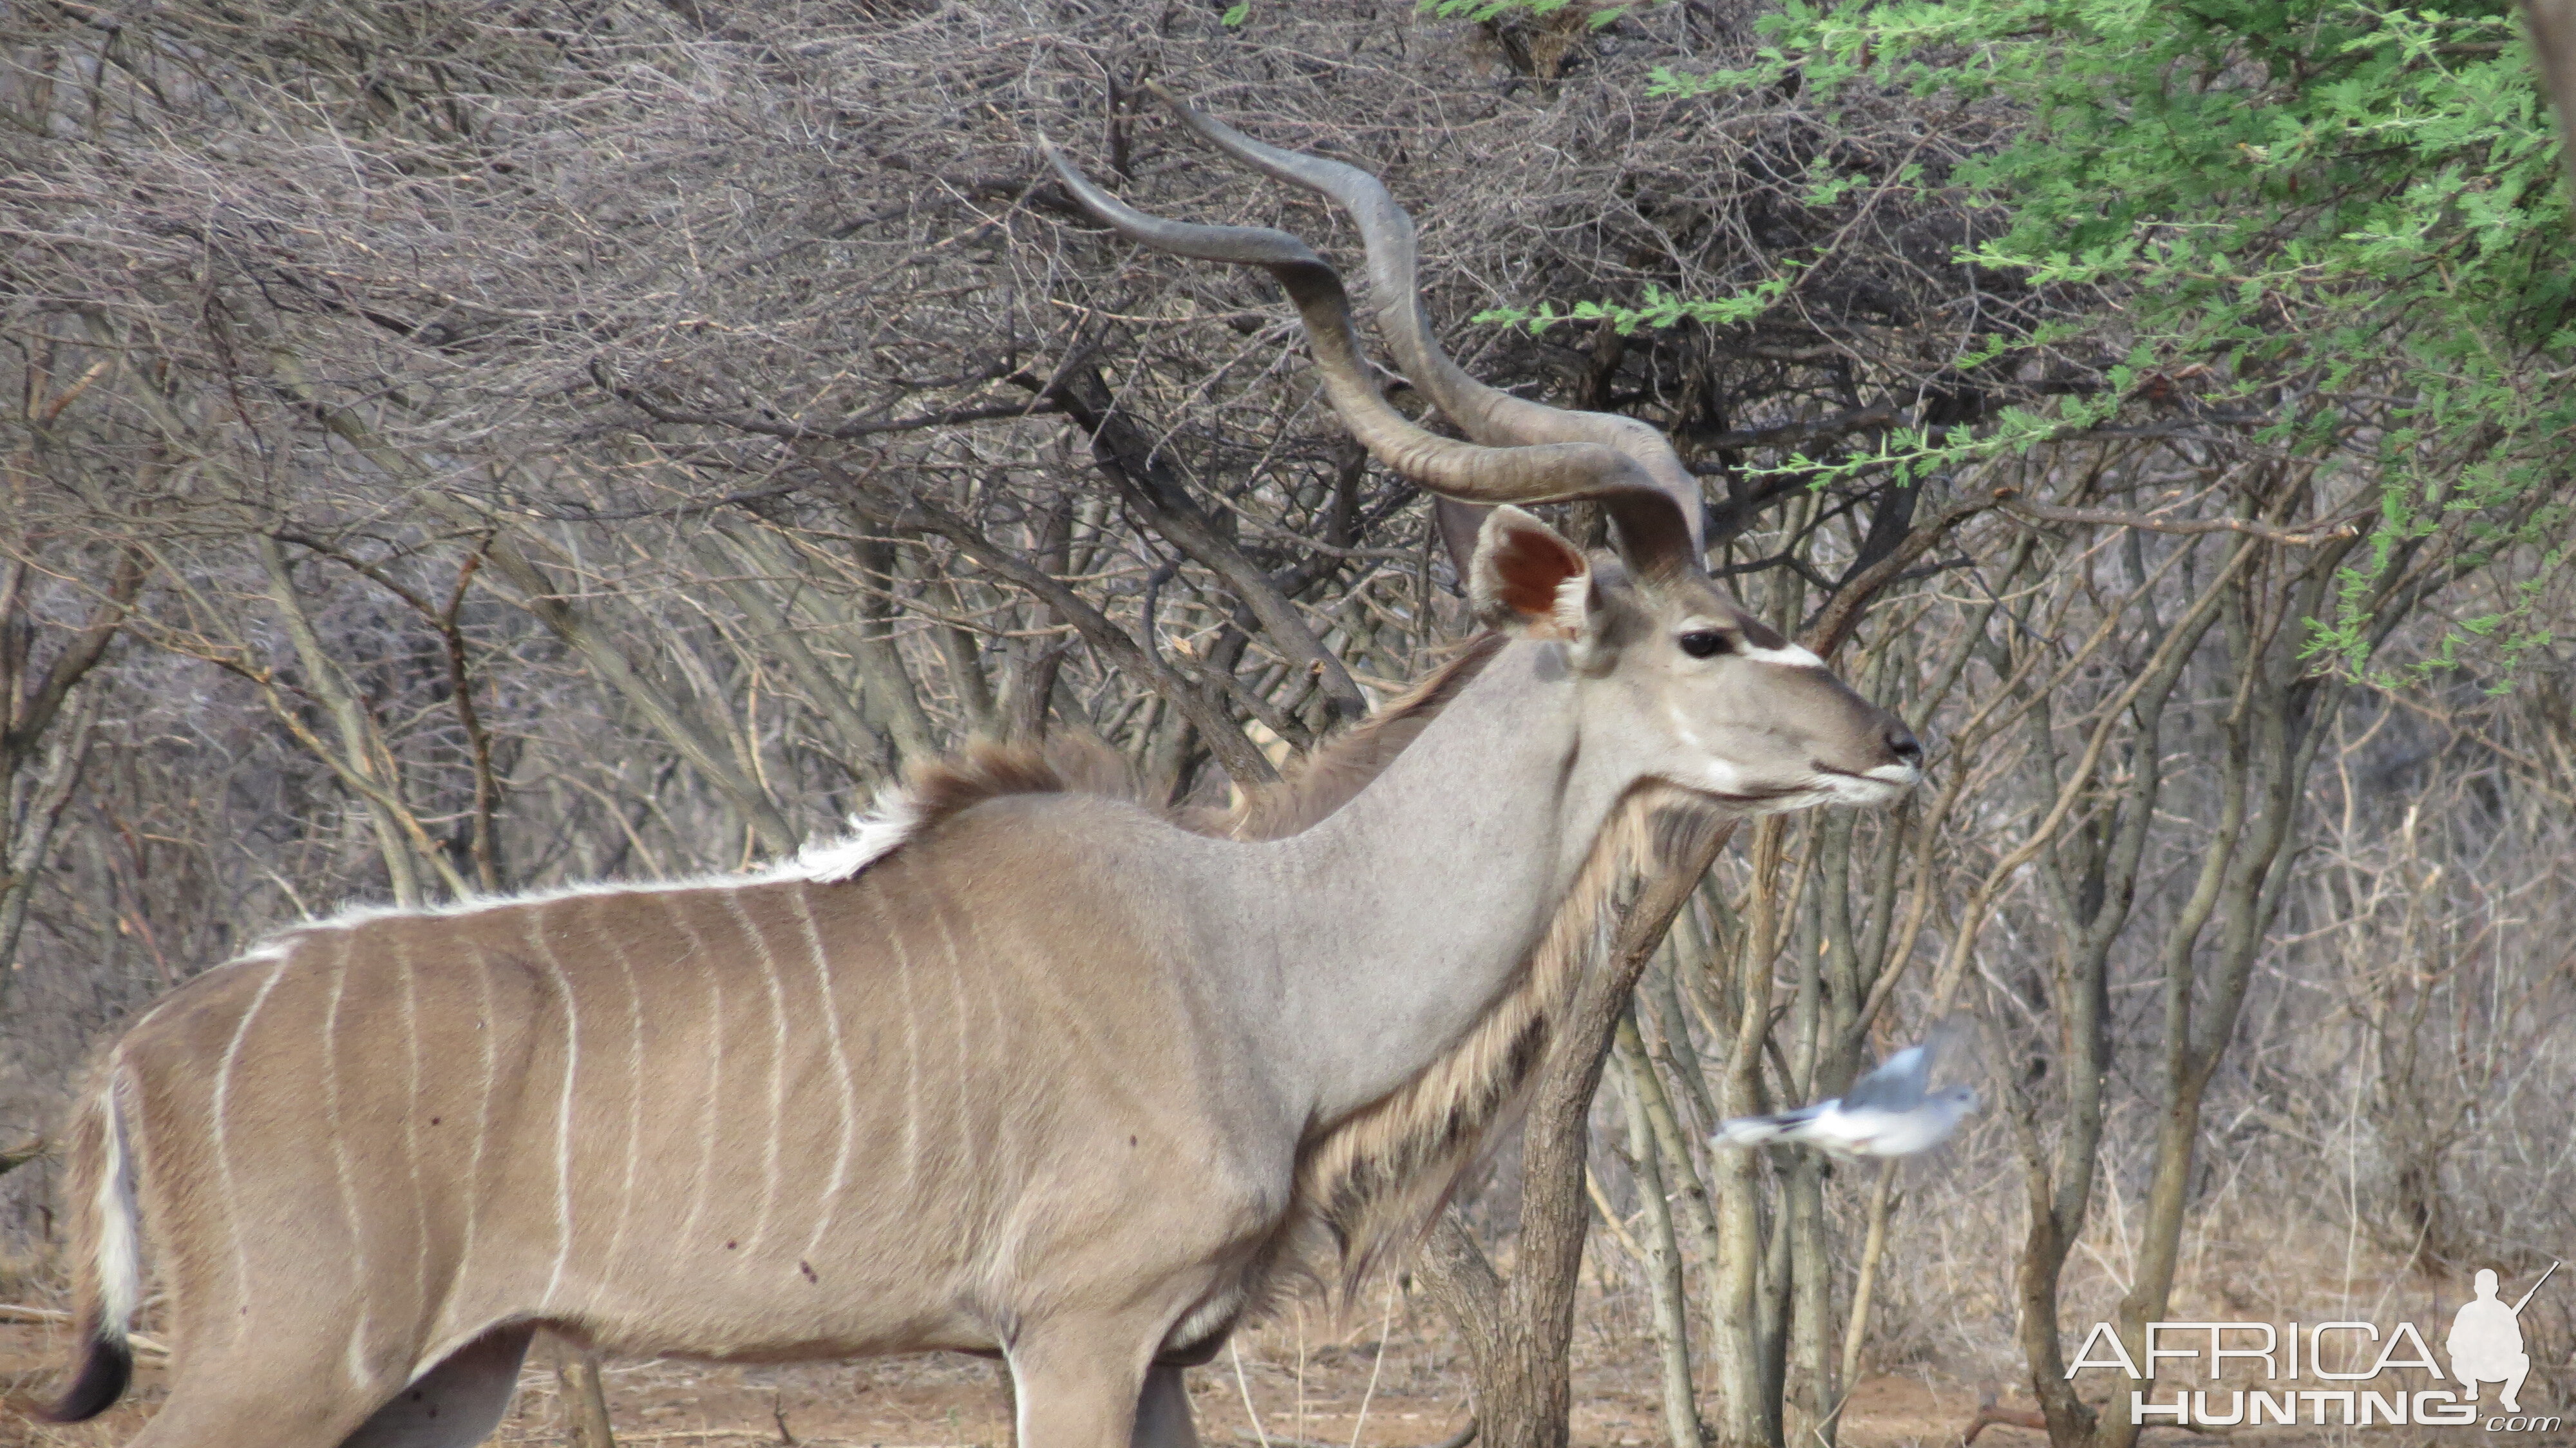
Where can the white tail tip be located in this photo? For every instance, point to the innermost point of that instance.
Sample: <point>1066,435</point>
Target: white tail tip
<point>119,1252</point>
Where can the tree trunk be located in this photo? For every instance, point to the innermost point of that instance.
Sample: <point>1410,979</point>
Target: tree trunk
<point>585,1399</point>
<point>1663,1250</point>
<point>1519,1333</point>
<point>1807,1409</point>
<point>31,706</point>
<point>1520,1387</point>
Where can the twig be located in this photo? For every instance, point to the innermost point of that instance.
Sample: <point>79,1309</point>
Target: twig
<point>705,1434</point>
<point>798,432</point>
<point>1378,1363</point>
<point>1251,1412</point>
<point>12,1312</point>
<point>1988,1416</point>
<point>1873,1249</point>
<point>1790,434</point>
<point>2049,513</point>
<point>23,1153</point>
<point>1610,1219</point>
<point>735,1434</point>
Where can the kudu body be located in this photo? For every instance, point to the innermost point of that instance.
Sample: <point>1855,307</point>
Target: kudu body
<point>1020,1068</point>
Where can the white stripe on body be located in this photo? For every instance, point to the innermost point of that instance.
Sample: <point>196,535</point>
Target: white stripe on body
<point>563,1109</point>
<point>777,1071</point>
<point>709,1119</point>
<point>411,1128</point>
<point>223,1156</point>
<point>356,1356</point>
<point>911,1044</point>
<point>482,1112</point>
<point>962,1129</point>
<point>634,1098</point>
<point>840,1069</point>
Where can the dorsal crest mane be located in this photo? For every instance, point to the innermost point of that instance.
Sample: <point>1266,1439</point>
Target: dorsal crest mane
<point>941,789</point>
<point>944,788</point>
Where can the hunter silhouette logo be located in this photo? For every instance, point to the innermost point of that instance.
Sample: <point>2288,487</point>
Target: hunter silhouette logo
<point>2486,1340</point>
<point>2485,1345</point>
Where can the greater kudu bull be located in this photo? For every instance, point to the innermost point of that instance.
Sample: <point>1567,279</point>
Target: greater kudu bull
<point>1020,1068</point>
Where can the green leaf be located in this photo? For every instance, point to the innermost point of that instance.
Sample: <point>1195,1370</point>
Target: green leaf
<point>2319,211</point>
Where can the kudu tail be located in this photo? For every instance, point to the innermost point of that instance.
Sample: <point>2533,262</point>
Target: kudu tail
<point>108,1270</point>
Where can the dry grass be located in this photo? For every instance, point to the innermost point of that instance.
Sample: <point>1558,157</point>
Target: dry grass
<point>1306,1380</point>
<point>1313,1397</point>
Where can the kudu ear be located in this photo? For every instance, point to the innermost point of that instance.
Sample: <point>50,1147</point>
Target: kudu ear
<point>1526,579</point>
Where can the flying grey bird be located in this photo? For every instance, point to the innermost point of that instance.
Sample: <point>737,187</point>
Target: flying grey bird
<point>1892,1111</point>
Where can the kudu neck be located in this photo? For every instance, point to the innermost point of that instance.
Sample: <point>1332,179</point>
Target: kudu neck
<point>1401,917</point>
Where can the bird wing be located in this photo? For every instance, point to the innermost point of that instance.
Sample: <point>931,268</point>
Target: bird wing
<point>1902,1081</point>
<point>1896,1085</point>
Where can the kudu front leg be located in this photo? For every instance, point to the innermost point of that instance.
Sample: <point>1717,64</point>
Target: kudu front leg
<point>1080,1386</point>
<point>1163,1413</point>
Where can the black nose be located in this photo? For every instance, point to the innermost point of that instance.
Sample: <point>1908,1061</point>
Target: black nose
<point>1902,743</point>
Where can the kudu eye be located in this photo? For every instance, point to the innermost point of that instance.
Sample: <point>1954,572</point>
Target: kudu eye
<point>1706,643</point>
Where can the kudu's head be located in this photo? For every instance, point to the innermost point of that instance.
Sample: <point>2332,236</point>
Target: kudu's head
<point>1672,678</point>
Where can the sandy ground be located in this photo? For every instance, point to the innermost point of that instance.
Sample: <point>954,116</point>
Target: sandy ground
<point>1308,1386</point>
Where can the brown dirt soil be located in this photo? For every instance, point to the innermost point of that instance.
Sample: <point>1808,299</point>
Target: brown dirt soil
<point>1306,1383</point>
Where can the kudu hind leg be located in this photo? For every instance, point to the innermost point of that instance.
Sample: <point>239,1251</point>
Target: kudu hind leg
<point>279,1398</point>
<point>275,1401</point>
<point>456,1404</point>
